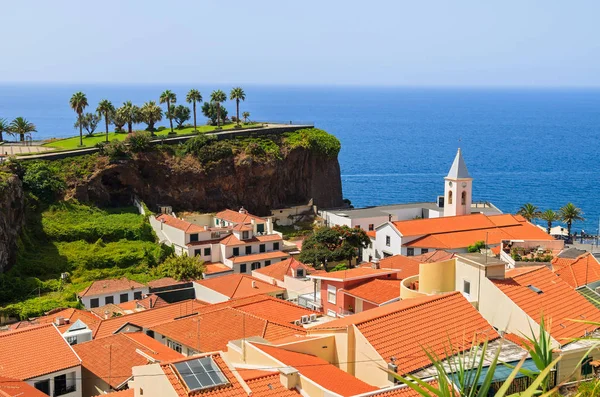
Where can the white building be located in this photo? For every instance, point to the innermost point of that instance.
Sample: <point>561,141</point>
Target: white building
<point>105,292</point>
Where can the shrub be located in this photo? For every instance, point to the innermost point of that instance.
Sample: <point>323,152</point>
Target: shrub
<point>314,139</point>
<point>115,150</point>
<point>340,266</point>
<point>42,181</point>
<point>477,247</point>
<point>161,128</point>
<point>181,268</point>
<point>193,145</point>
<point>139,141</point>
<point>214,152</point>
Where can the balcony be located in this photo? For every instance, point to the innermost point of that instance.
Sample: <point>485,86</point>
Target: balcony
<point>309,301</point>
<point>409,288</point>
<point>62,390</point>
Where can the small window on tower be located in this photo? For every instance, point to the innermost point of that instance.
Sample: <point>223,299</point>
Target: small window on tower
<point>463,198</point>
<point>450,197</point>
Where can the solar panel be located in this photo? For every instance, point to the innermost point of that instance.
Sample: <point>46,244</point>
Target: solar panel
<point>201,373</point>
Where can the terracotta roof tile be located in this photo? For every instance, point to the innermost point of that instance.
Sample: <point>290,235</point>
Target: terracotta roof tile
<point>231,240</point>
<point>259,257</point>
<point>248,373</point>
<point>283,268</point>
<point>16,388</point>
<point>216,267</point>
<point>90,319</point>
<point>269,385</point>
<point>408,266</point>
<point>581,271</point>
<point>112,358</point>
<point>557,301</point>
<point>276,309</point>
<point>101,287</point>
<point>434,256</point>
<point>180,224</point>
<point>239,286</point>
<point>34,351</point>
<point>319,371</point>
<point>165,282</point>
<point>151,301</point>
<point>122,393</point>
<point>376,291</point>
<point>403,391</point>
<point>238,217</point>
<point>352,274</point>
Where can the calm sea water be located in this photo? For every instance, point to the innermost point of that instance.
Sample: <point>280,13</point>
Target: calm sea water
<point>398,143</point>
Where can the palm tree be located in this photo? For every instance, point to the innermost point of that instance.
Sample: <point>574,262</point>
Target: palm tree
<point>4,127</point>
<point>529,212</point>
<point>21,127</point>
<point>245,115</point>
<point>217,97</point>
<point>569,213</point>
<point>132,115</point>
<point>238,94</point>
<point>168,97</point>
<point>78,103</point>
<point>151,113</point>
<point>105,108</point>
<point>194,97</point>
<point>549,216</point>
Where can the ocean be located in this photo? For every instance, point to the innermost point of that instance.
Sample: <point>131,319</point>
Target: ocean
<point>520,145</point>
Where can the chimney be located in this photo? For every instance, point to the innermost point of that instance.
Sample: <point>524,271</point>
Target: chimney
<point>375,264</point>
<point>289,377</point>
<point>106,314</point>
<point>254,284</point>
<point>205,228</point>
<point>269,226</point>
<point>59,321</point>
<point>243,210</point>
<point>253,223</point>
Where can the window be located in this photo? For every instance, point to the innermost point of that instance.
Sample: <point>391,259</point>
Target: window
<point>267,263</point>
<point>197,252</point>
<point>586,367</point>
<point>248,249</point>
<point>331,313</point>
<point>331,294</point>
<point>94,302</point>
<point>260,228</point>
<point>194,237</point>
<point>243,268</point>
<point>207,251</point>
<point>450,197</point>
<point>71,340</point>
<point>245,235</point>
<point>150,333</point>
<point>386,254</point>
<point>236,251</point>
<point>463,198</point>
<point>276,246</point>
<point>300,273</point>
<point>410,252</point>
<point>424,250</point>
<point>388,241</point>
<point>255,265</point>
<point>137,295</point>
<point>371,227</point>
<point>123,298</point>
<point>109,299</point>
<point>64,384</point>
<point>280,296</point>
<point>467,287</point>
<point>43,386</point>
<point>262,248</point>
<point>174,345</point>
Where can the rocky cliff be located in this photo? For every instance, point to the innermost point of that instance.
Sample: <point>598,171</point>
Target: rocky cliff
<point>259,183</point>
<point>12,210</point>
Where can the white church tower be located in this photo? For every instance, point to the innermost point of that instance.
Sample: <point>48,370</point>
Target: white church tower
<point>458,188</point>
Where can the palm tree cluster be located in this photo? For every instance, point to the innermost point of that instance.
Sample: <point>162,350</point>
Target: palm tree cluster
<point>18,126</point>
<point>568,214</point>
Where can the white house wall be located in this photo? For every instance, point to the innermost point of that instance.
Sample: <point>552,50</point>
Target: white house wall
<point>86,300</point>
<point>78,386</point>
<point>208,295</point>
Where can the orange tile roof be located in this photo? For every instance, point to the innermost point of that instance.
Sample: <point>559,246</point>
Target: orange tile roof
<point>216,267</point>
<point>88,318</point>
<point>34,351</point>
<point>408,266</point>
<point>16,388</point>
<point>112,358</point>
<point>558,302</point>
<point>581,271</point>
<point>376,291</point>
<point>259,257</point>
<point>517,340</point>
<point>241,228</point>
<point>401,329</point>
<point>180,224</point>
<point>165,282</point>
<point>372,233</point>
<point>231,240</point>
<point>353,274</point>
<point>419,227</point>
<point>275,309</point>
<point>238,217</point>
<point>319,371</point>
<point>283,268</point>
<point>206,332</point>
<point>434,256</point>
<point>151,301</point>
<point>122,393</point>
<point>232,389</point>
<point>248,373</point>
<point>239,286</point>
<point>101,287</point>
<point>269,385</point>
<point>149,317</point>
<point>403,391</point>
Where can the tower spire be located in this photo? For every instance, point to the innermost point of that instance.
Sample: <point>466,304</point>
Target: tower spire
<point>459,168</point>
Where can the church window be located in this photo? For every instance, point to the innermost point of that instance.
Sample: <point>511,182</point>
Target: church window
<point>450,197</point>
<point>463,198</point>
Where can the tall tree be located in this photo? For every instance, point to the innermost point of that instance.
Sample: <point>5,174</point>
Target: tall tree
<point>78,103</point>
<point>238,94</point>
<point>169,98</point>
<point>569,214</point>
<point>245,115</point>
<point>131,114</point>
<point>194,97</point>
<point>119,119</point>
<point>529,211</point>
<point>180,113</point>
<point>21,127</point>
<point>4,127</point>
<point>151,113</point>
<point>549,216</point>
<point>106,109</point>
<point>89,121</point>
<point>217,97</point>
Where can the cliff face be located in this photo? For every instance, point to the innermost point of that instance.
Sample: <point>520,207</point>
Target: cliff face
<point>186,184</point>
<point>12,210</point>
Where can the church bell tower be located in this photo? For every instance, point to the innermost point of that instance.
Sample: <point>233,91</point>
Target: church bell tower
<point>458,188</point>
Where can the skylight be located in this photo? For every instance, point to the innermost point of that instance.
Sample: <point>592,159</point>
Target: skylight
<point>201,373</point>
<point>535,289</point>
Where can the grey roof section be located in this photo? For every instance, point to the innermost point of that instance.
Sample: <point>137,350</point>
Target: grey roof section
<point>382,210</point>
<point>459,168</point>
<point>572,253</point>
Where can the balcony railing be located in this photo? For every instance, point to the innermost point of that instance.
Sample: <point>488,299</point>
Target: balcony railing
<point>309,301</point>
<point>62,390</point>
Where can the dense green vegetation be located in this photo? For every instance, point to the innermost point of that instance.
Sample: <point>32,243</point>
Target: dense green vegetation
<point>314,139</point>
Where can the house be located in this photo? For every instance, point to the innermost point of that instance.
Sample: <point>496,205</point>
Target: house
<point>220,289</point>
<point>289,274</point>
<point>579,271</point>
<point>104,292</point>
<point>331,300</point>
<point>237,243</point>
<point>16,388</point>
<point>107,363</point>
<point>40,356</point>
<point>64,320</point>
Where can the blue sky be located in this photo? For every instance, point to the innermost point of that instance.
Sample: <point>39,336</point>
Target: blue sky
<point>395,42</point>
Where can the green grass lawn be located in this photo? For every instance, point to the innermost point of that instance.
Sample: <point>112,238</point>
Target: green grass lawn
<point>91,141</point>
